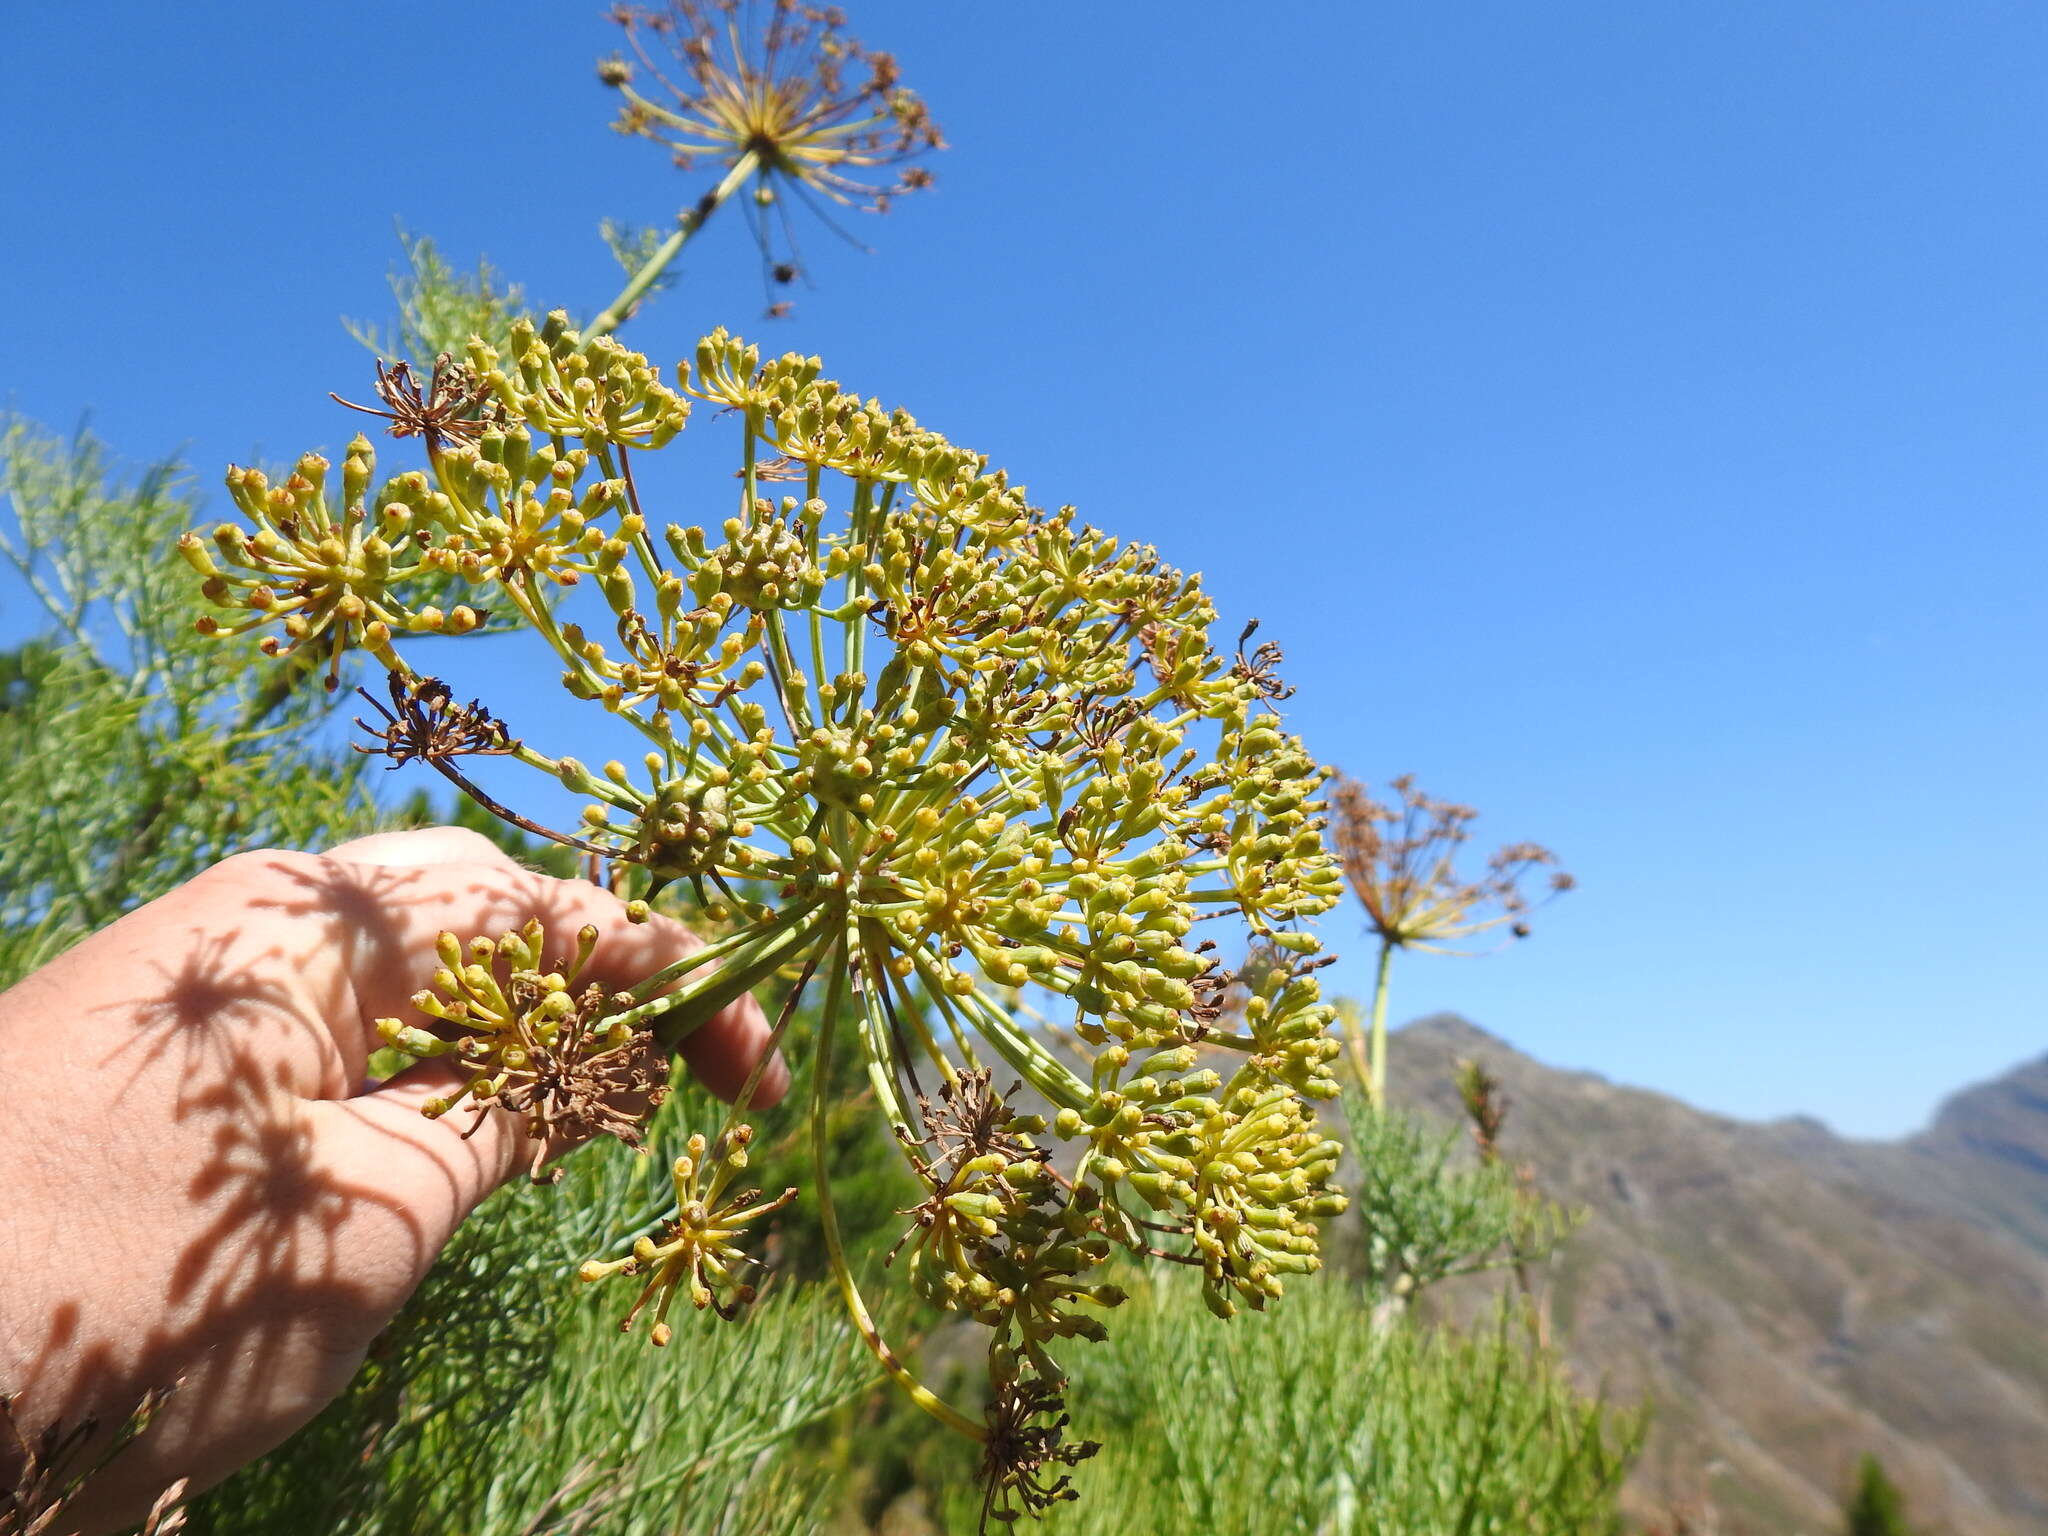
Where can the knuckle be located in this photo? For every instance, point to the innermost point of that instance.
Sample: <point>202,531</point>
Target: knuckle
<point>263,866</point>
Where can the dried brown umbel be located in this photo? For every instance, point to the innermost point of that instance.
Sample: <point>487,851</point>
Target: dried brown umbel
<point>1401,863</point>
<point>581,1082</point>
<point>1259,668</point>
<point>1027,1444</point>
<point>970,1120</point>
<point>455,407</point>
<point>40,1474</point>
<point>425,724</point>
<point>566,1060</point>
<point>797,102</point>
<point>781,100</point>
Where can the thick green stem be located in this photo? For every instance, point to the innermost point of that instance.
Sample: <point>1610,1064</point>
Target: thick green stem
<point>721,949</point>
<point>615,314</point>
<point>1376,1078</point>
<point>828,1215</point>
<point>1036,1066</point>
<point>677,1014</point>
<point>876,1041</point>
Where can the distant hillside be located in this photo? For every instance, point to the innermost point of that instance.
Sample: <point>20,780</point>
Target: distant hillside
<point>1791,1299</point>
<point>1993,1142</point>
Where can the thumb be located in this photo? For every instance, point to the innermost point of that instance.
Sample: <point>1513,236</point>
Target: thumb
<point>392,895</point>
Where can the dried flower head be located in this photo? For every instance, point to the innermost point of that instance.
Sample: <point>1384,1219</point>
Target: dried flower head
<point>936,750</point>
<point>1026,1445</point>
<point>569,1063</point>
<point>971,1121</point>
<point>40,1474</point>
<point>425,724</point>
<point>786,103</point>
<point>454,408</point>
<point>1260,668</point>
<point>1401,862</point>
<point>698,1250</point>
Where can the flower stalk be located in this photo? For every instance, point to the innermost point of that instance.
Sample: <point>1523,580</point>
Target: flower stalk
<point>663,256</point>
<point>1400,861</point>
<point>1372,1071</point>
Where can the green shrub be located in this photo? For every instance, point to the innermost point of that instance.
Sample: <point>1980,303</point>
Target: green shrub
<point>505,1401</point>
<point>1875,1507</point>
<point>1310,1421</point>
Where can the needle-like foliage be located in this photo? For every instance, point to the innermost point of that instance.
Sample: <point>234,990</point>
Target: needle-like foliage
<point>1426,1217</point>
<point>137,753</point>
<point>1394,1432</point>
<point>498,1405</point>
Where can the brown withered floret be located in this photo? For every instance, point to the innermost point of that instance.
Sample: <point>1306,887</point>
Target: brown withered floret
<point>575,1085</point>
<point>813,108</point>
<point>969,1121</point>
<point>1401,863</point>
<point>536,1039</point>
<point>425,724</point>
<point>1258,668</point>
<point>455,407</point>
<point>1027,1424</point>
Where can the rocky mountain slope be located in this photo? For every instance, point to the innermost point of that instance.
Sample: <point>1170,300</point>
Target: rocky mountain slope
<point>1790,1299</point>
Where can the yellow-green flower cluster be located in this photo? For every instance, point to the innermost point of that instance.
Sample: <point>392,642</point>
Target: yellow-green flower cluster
<point>570,1061</point>
<point>323,575</point>
<point>699,1249</point>
<point>597,392</point>
<point>984,757</point>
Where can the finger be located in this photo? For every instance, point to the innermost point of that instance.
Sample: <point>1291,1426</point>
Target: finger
<point>392,915</point>
<point>429,1173</point>
<point>723,1050</point>
<point>423,845</point>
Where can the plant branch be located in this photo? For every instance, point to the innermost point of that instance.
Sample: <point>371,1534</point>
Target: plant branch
<point>616,313</point>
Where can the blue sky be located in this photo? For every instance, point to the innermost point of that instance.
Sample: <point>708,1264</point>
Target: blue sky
<point>1629,416</point>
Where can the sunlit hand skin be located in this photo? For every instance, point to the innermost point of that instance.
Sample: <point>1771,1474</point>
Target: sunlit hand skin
<point>196,1186</point>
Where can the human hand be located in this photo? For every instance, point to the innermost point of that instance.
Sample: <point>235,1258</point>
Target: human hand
<point>199,1188</point>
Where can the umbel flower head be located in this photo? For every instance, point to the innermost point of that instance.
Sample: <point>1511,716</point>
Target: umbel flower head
<point>1401,861</point>
<point>787,103</point>
<point>699,1251</point>
<point>957,761</point>
<point>569,1062</point>
<point>321,573</point>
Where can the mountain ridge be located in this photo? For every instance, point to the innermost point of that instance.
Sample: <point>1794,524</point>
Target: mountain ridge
<point>1790,1298</point>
